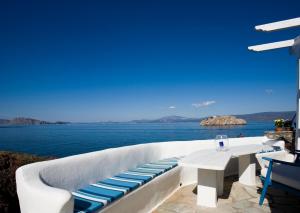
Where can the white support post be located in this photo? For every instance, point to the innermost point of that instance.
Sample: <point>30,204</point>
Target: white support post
<point>294,46</point>
<point>247,170</point>
<point>207,189</point>
<point>220,181</point>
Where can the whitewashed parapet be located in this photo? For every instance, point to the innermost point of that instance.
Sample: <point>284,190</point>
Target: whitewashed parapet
<point>45,186</point>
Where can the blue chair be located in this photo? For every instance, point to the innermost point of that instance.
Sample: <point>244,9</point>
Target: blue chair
<point>281,174</point>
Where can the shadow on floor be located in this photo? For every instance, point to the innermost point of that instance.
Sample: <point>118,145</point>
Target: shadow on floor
<point>228,181</point>
<point>279,200</point>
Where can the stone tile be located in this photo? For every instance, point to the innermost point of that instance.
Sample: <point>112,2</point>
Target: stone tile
<point>222,201</point>
<point>188,200</point>
<point>162,210</point>
<point>174,197</point>
<point>226,208</point>
<point>242,204</point>
<point>236,198</point>
<point>239,193</point>
<point>266,208</point>
<point>223,209</point>
<point>256,201</point>
<point>252,191</point>
<point>253,210</point>
<point>179,207</point>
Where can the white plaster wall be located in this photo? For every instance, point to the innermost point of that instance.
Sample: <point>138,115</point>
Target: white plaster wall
<point>44,187</point>
<point>36,196</point>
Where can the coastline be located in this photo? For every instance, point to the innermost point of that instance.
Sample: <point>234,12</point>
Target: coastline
<point>73,138</point>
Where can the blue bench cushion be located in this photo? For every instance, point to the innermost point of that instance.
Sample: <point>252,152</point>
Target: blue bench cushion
<point>95,196</point>
<point>112,182</point>
<point>84,205</point>
<point>148,171</point>
<point>156,166</point>
<point>140,182</point>
<point>106,186</point>
<point>152,175</point>
<point>134,177</point>
<point>173,164</point>
<point>169,165</point>
<point>93,190</point>
<point>89,196</point>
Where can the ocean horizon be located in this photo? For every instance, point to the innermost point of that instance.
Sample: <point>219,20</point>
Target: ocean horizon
<point>77,138</point>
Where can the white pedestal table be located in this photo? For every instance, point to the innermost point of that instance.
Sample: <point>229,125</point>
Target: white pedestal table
<point>211,165</point>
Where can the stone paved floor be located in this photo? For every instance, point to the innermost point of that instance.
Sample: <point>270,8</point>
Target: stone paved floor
<point>236,198</point>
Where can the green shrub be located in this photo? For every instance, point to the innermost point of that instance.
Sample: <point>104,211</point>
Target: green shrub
<point>9,162</point>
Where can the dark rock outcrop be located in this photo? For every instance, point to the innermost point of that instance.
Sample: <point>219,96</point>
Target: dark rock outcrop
<point>222,121</point>
<point>9,162</point>
<point>27,121</point>
<point>4,121</point>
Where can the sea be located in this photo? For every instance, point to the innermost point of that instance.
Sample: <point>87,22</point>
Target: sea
<point>70,139</point>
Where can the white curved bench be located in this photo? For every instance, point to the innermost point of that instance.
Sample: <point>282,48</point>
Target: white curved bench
<point>46,186</point>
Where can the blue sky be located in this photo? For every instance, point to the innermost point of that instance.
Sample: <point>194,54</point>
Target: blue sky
<point>122,60</point>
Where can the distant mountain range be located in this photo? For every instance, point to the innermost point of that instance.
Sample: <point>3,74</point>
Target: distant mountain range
<point>261,116</point>
<point>268,116</point>
<point>27,121</point>
<point>167,119</point>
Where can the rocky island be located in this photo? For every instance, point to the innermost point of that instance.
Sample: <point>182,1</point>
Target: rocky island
<point>222,121</point>
<point>27,121</point>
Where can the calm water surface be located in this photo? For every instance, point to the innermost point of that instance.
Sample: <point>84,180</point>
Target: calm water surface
<point>70,139</point>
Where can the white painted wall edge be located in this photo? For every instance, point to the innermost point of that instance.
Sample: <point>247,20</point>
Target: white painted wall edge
<point>279,25</point>
<point>271,46</point>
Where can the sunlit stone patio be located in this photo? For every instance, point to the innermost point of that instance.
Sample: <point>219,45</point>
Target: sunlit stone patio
<point>236,198</point>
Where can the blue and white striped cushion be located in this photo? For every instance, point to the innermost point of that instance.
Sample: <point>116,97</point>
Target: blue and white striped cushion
<point>117,188</point>
<point>95,196</point>
<point>134,177</point>
<point>148,170</point>
<point>108,193</point>
<point>82,205</point>
<point>140,182</point>
<point>118,183</point>
<point>152,175</point>
<point>156,166</point>
<point>165,163</point>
